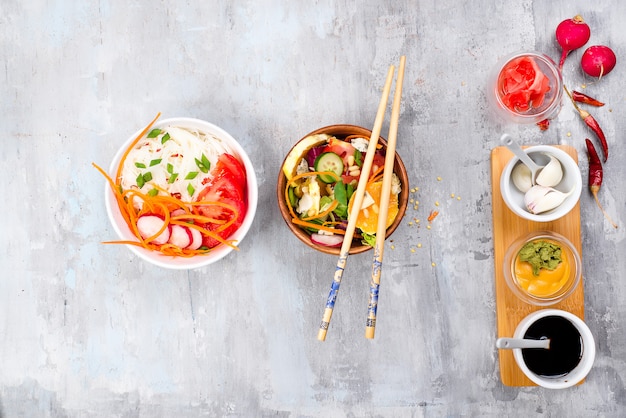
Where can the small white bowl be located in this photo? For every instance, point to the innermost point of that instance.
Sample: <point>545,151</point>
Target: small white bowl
<point>572,180</point>
<point>588,353</point>
<point>184,263</point>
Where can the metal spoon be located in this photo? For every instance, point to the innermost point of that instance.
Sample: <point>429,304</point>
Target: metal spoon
<point>509,343</point>
<point>508,141</point>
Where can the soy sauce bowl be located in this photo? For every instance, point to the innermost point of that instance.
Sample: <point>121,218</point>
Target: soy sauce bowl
<point>584,347</point>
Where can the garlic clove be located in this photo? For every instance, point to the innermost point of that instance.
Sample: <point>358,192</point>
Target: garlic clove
<point>541,199</point>
<point>522,177</point>
<point>551,174</point>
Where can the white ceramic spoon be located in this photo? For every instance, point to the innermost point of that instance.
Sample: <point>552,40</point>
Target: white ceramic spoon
<point>510,343</point>
<point>508,141</point>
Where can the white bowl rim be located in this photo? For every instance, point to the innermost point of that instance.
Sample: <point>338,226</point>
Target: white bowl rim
<point>184,263</point>
<point>586,362</point>
<point>554,214</point>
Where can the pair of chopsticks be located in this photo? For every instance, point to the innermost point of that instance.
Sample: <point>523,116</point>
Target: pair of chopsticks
<point>359,195</point>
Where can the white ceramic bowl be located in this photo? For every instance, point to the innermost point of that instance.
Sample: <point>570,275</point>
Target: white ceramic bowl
<point>572,180</point>
<point>182,263</point>
<point>588,350</point>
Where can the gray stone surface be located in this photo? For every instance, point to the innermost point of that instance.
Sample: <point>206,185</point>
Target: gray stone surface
<point>90,330</point>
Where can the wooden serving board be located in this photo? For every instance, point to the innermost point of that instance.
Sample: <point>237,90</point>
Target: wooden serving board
<point>507,227</point>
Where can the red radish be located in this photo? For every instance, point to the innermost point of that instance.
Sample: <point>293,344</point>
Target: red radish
<point>196,239</point>
<point>180,236</point>
<point>327,240</point>
<point>571,34</point>
<point>149,225</point>
<point>598,60</point>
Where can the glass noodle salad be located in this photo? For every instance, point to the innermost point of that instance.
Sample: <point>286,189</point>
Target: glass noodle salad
<point>181,191</point>
<point>322,173</point>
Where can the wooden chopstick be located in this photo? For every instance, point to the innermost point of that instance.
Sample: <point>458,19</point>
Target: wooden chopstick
<point>381,230</point>
<point>356,207</point>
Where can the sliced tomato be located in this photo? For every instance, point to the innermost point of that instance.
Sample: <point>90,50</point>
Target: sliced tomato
<point>231,163</point>
<point>227,185</point>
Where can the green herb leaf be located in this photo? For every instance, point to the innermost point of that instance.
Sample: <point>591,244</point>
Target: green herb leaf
<point>172,178</point>
<point>358,158</point>
<point>153,192</point>
<point>140,165</point>
<point>154,133</point>
<point>165,138</point>
<point>155,162</point>
<point>170,168</point>
<point>349,191</point>
<point>191,175</point>
<point>147,177</point>
<point>190,189</point>
<point>341,196</point>
<point>369,239</point>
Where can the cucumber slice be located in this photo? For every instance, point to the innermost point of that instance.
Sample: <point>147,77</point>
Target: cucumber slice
<point>329,161</point>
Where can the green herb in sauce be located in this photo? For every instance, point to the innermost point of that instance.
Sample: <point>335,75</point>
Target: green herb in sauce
<point>541,254</point>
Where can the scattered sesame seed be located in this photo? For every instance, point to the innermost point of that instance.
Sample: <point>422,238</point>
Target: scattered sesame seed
<point>411,201</point>
<point>412,250</point>
<point>437,203</point>
<point>415,207</point>
<point>451,194</point>
<point>419,245</point>
<point>410,223</point>
<point>433,264</point>
<point>438,178</point>
<point>393,247</point>
<point>569,134</point>
<point>458,198</point>
<point>583,86</point>
<point>428,226</point>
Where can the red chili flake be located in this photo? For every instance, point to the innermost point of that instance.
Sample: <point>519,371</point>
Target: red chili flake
<point>544,124</point>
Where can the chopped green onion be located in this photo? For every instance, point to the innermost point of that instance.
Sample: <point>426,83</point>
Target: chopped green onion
<point>206,162</point>
<point>172,178</point>
<point>140,165</point>
<point>191,175</point>
<point>154,133</point>
<point>203,164</point>
<point>140,181</point>
<point>165,138</point>
<point>170,168</point>
<point>147,177</point>
<point>358,158</point>
<point>155,162</point>
<point>190,189</point>
<point>153,192</point>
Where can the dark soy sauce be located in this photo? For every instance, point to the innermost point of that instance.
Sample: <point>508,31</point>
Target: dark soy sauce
<point>565,351</point>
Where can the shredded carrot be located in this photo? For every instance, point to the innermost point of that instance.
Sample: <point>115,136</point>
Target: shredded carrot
<point>433,215</point>
<point>130,147</point>
<point>300,222</point>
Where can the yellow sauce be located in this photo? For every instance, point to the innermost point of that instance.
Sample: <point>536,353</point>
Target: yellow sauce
<point>548,282</point>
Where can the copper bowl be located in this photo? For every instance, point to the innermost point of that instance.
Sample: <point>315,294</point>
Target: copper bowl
<point>341,131</point>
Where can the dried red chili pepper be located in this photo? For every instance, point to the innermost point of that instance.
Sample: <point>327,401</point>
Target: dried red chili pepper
<point>583,98</point>
<point>592,123</point>
<point>596,174</point>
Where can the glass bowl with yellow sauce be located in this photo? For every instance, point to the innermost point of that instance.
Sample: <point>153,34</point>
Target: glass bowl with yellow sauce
<point>542,268</point>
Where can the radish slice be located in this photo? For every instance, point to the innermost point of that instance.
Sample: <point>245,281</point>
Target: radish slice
<point>196,239</point>
<point>148,225</point>
<point>327,240</point>
<point>180,236</point>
